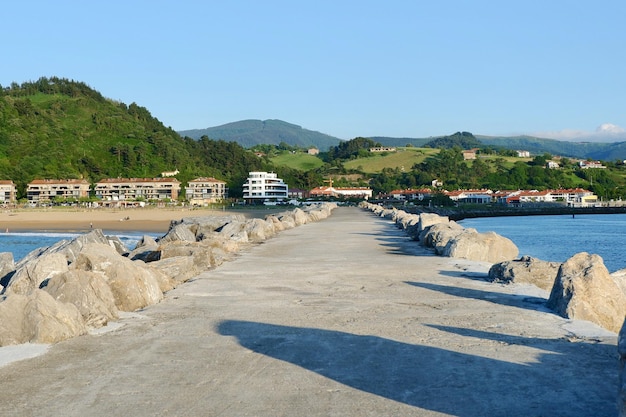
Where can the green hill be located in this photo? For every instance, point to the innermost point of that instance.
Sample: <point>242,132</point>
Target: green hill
<point>403,159</point>
<point>536,146</point>
<point>249,133</point>
<point>57,128</point>
<point>605,151</point>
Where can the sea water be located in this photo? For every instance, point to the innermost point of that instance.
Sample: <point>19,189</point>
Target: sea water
<point>20,244</point>
<point>557,238</point>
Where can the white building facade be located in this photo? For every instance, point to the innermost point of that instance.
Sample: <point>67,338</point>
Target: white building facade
<point>261,186</point>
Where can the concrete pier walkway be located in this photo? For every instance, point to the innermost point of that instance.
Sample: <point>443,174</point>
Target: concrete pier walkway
<point>343,317</point>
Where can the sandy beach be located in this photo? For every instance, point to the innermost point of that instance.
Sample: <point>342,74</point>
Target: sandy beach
<point>155,220</point>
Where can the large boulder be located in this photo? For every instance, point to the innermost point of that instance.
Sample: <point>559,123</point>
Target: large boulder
<point>527,270</point>
<point>178,268</point>
<point>145,250</point>
<point>180,232</point>
<point>208,224</point>
<point>584,290</point>
<point>7,267</point>
<point>428,219</point>
<point>235,231</point>
<point>259,230</point>
<point>89,292</point>
<point>276,223</point>
<point>49,321</point>
<point>438,235</point>
<point>31,275</point>
<point>12,319</point>
<point>482,247</point>
<point>300,217</point>
<point>133,285</point>
<point>200,253</point>
<point>38,318</point>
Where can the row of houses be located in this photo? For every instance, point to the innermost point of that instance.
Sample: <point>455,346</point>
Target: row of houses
<point>266,186</point>
<point>574,197</point>
<point>200,191</point>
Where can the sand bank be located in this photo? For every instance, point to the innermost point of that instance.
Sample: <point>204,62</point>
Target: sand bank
<point>156,220</point>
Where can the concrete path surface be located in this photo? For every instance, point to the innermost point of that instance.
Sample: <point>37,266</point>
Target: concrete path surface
<point>343,317</point>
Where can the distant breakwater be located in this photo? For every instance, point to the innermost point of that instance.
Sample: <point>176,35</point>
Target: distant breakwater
<point>460,213</point>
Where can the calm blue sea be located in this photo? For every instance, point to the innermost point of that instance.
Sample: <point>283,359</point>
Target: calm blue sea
<point>557,238</point>
<point>20,244</point>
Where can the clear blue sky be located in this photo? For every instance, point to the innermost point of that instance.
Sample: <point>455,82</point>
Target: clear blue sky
<point>345,68</point>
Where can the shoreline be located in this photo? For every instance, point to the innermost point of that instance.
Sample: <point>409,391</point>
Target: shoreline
<point>458,214</point>
<point>152,220</point>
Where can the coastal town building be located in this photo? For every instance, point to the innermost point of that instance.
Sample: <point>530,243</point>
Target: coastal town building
<point>382,149</point>
<point>341,192</point>
<point>469,154</point>
<point>42,191</point>
<point>571,197</point>
<point>470,196</point>
<point>137,189</point>
<point>261,186</point>
<point>8,192</point>
<point>409,194</point>
<point>170,173</point>
<point>203,191</point>
<point>298,193</point>
<point>591,164</point>
<point>523,154</point>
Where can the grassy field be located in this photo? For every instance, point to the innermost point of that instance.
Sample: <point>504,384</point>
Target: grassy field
<point>301,161</point>
<point>404,158</point>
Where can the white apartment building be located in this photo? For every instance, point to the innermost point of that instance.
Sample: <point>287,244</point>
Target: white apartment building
<point>261,186</point>
<point>40,191</point>
<point>129,189</point>
<point>203,191</point>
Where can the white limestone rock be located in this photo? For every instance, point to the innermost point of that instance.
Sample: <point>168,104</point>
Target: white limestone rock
<point>584,290</point>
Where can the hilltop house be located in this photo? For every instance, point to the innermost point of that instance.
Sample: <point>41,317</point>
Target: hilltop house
<point>382,149</point>
<point>41,191</point>
<point>591,164</point>
<point>469,154</point>
<point>203,191</point>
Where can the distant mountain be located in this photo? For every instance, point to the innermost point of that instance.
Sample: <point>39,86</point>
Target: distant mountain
<point>592,150</point>
<point>249,133</point>
<point>389,141</point>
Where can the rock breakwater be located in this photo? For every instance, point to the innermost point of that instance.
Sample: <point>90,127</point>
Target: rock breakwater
<point>580,288</point>
<point>75,286</point>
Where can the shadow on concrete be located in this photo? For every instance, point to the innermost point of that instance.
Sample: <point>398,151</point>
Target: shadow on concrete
<point>512,300</point>
<point>562,379</point>
<point>476,276</point>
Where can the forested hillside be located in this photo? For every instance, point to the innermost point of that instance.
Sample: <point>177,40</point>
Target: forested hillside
<point>58,128</point>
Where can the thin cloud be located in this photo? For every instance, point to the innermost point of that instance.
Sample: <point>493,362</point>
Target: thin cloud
<point>606,132</point>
